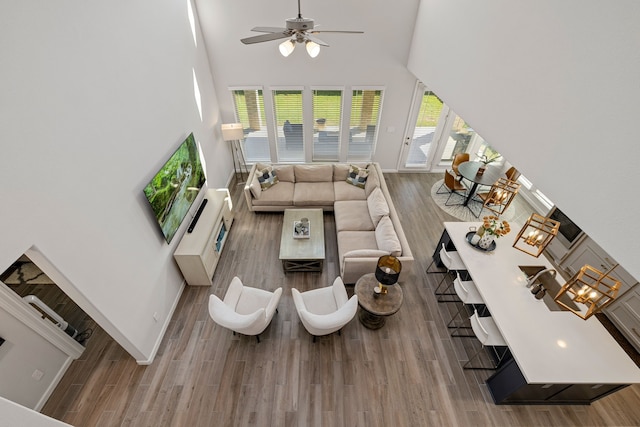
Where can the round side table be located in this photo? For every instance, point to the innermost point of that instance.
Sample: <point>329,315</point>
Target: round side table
<point>374,310</point>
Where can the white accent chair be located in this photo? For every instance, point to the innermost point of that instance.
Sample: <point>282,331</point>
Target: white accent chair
<point>325,310</point>
<point>244,309</point>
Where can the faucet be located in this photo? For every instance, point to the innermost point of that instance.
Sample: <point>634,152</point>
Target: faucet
<point>531,280</point>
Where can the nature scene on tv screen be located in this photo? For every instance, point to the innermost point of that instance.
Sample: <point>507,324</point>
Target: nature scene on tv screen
<point>175,187</point>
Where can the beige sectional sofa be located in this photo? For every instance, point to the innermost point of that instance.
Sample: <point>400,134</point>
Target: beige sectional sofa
<point>367,224</point>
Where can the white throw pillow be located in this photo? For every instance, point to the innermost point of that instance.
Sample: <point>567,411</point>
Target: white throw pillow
<point>377,205</point>
<point>255,188</point>
<point>386,237</point>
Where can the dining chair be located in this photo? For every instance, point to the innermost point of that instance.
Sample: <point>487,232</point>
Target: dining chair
<point>512,174</point>
<point>498,198</point>
<point>457,159</point>
<point>469,295</point>
<point>486,331</point>
<point>452,186</point>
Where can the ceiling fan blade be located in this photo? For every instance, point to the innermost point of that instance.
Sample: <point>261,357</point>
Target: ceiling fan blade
<point>316,40</point>
<point>269,29</point>
<point>265,38</point>
<point>336,31</point>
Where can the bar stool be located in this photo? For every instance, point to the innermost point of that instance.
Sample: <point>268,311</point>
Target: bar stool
<point>486,330</point>
<point>452,262</point>
<point>469,295</point>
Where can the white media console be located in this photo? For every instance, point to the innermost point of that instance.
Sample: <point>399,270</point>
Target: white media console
<point>199,250</point>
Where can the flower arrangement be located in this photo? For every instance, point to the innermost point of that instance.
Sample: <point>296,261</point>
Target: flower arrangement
<point>493,225</point>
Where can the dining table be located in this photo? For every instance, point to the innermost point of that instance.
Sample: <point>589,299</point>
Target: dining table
<point>469,171</point>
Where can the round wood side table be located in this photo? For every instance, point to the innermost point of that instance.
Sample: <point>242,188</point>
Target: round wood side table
<point>374,310</point>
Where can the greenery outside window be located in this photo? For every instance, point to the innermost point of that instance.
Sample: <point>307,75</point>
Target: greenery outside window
<point>289,127</point>
<point>459,138</point>
<point>425,129</point>
<point>249,110</point>
<point>366,105</point>
<point>327,118</point>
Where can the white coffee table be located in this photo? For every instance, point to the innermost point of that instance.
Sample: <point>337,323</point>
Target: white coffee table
<point>302,254</point>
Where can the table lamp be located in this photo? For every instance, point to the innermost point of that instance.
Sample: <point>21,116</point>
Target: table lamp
<point>387,271</point>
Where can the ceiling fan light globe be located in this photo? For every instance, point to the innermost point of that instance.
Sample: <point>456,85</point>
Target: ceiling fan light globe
<point>313,49</point>
<point>286,47</point>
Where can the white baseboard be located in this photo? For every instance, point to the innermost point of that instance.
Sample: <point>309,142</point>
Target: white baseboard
<point>165,326</point>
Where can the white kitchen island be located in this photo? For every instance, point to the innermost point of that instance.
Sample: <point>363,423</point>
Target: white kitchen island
<point>557,356</point>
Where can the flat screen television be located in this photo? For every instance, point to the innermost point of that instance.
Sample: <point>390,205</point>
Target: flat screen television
<point>175,187</point>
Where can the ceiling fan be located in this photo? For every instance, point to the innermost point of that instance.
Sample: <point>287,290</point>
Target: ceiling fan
<point>298,30</point>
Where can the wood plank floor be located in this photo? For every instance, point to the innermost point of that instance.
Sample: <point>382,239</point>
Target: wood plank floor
<point>406,374</point>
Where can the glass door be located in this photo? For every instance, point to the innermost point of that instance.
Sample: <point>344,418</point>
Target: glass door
<point>424,126</point>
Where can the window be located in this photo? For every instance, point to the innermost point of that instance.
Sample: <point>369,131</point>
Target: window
<point>534,196</point>
<point>459,137</point>
<point>287,108</point>
<point>249,105</point>
<point>327,117</point>
<point>481,148</point>
<point>363,132</point>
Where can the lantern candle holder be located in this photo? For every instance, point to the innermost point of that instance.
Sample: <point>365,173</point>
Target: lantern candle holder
<point>591,288</point>
<point>536,234</point>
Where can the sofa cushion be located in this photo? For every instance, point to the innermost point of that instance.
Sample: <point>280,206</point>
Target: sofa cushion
<point>278,195</point>
<point>314,173</point>
<point>373,180</point>
<point>386,237</point>
<point>356,240</point>
<point>377,205</point>
<point>285,173</point>
<point>313,193</point>
<point>357,176</point>
<point>255,188</point>
<point>346,191</point>
<point>352,215</point>
<point>267,178</point>
<point>340,171</point>
<point>366,253</point>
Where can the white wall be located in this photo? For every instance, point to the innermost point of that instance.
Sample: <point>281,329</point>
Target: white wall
<point>378,57</point>
<point>554,87</point>
<point>95,97</point>
<point>24,353</point>
<point>17,415</point>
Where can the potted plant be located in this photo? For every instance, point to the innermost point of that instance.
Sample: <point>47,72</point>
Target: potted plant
<point>485,160</point>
